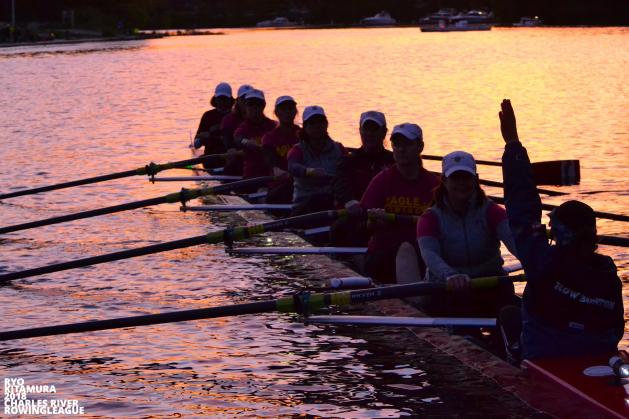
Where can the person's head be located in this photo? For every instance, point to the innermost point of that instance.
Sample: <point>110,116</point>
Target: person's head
<point>286,110</point>
<point>240,99</point>
<point>222,99</point>
<point>459,180</point>
<point>254,105</point>
<point>407,142</point>
<point>373,130</point>
<point>573,223</point>
<point>315,123</point>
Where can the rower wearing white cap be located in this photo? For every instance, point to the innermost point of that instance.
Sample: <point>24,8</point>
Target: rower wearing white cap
<point>355,172</point>
<point>209,132</point>
<point>459,238</point>
<point>404,188</point>
<point>229,125</point>
<point>276,145</point>
<point>249,135</point>
<point>313,163</point>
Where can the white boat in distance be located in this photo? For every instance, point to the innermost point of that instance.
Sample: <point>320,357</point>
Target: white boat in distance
<point>457,26</point>
<point>445,20</point>
<point>381,19</point>
<point>278,22</point>
<point>528,22</point>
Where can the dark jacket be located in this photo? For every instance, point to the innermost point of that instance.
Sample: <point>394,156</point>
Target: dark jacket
<point>572,304</point>
<point>356,171</point>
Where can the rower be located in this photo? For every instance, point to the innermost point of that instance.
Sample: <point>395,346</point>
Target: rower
<point>209,132</point>
<point>276,144</point>
<point>313,162</point>
<point>572,302</point>
<point>459,238</point>
<point>354,174</point>
<point>229,124</point>
<point>404,188</point>
<point>248,136</point>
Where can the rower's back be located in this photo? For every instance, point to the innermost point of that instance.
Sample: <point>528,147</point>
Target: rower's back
<point>572,304</point>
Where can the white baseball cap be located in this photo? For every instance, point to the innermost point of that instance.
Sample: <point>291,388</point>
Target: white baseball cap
<point>254,94</point>
<point>223,89</point>
<point>375,116</point>
<point>458,161</point>
<point>408,130</point>
<point>311,111</point>
<point>283,99</point>
<point>242,90</point>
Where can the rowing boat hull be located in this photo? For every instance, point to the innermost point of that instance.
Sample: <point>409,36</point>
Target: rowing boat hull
<point>605,395</point>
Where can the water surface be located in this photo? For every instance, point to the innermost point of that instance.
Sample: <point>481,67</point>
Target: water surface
<point>76,111</point>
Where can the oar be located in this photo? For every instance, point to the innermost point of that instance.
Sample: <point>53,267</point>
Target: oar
<point>221,178</point>
<point>549,207</point>
<point>300,303</point>
<point>494,183</point>
<point>270,250</point>
<point>402,321</point>
<point>150,169</point>
<point>243,207</point>
<point>227,236</point>
<point>602,239</point>
<point>613,240</point>
<point>183,196</point>
<point>556,172</point>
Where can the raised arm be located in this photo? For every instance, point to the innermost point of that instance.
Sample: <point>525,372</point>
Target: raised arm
<point>523,204</point>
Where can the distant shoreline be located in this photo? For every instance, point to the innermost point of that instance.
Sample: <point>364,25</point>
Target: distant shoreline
<point>139,37</point>
<point>163,33</point>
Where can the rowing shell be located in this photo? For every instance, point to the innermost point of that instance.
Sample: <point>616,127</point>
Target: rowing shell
<point>585,395</point>
<point>587,378</point>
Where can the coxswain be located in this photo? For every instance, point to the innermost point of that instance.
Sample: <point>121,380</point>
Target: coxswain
<point>572,303</point>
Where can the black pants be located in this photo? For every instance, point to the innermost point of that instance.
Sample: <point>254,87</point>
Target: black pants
<point>350,232</point>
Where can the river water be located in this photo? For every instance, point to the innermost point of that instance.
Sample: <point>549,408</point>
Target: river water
<point>74,111</point>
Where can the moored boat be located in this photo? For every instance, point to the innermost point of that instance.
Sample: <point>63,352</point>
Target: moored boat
<point>278,22</point>
<point>380,19</point>
<point>528,22</point>
<point>455,26</point>
<point>445,20</point>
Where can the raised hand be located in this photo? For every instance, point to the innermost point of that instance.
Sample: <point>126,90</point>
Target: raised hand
<point>508,125</point>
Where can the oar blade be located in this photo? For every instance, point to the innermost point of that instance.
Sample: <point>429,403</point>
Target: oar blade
<point>558,172</point>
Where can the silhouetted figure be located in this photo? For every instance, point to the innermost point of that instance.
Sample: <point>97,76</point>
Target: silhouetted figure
<point>404,188</point>
<point>354,174</point>
<point>572,302</point>
<point>208,134</point>
<point>276,144</point>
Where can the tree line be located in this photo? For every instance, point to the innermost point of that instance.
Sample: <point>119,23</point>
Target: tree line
<point>162,14</point>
